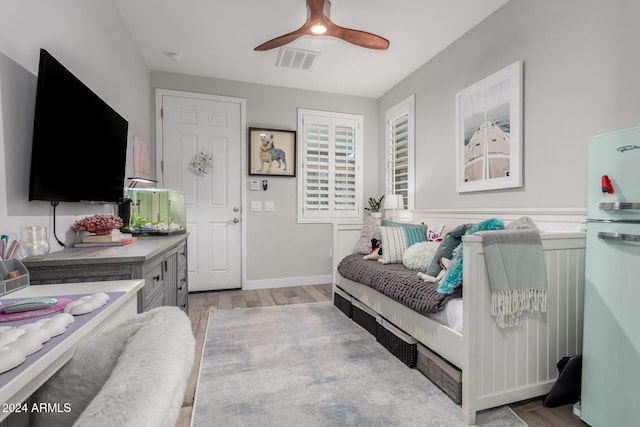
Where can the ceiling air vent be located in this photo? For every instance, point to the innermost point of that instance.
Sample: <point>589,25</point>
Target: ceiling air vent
<point>296,58</point>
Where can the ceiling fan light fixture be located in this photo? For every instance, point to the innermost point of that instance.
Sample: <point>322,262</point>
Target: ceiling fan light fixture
<point>319,23</point>
<point>319,29</point>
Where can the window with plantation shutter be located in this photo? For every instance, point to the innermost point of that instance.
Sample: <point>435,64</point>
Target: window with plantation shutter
<point>330,179</point>
<point>399,174</point>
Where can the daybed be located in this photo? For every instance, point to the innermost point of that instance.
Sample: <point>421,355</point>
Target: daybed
<point>497,365</point>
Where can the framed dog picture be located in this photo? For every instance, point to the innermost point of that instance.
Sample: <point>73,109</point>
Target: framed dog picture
<point>272,152</point>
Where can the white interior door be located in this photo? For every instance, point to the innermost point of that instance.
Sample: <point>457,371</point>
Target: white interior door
<point>213,126</point>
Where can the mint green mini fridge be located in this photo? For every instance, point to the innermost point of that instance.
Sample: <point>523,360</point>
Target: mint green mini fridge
<point>611,343</point>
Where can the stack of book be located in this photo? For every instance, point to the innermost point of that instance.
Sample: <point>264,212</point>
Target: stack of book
<point>113,239</point>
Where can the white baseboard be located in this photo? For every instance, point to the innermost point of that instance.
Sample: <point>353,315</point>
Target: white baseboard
<point>286,282</point>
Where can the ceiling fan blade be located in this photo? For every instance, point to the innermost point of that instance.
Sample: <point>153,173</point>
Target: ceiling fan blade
<point>358,38</point>
<point>282,40</point>
<point>318,12</point>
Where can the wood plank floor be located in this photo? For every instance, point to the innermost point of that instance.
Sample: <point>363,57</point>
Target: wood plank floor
<point>531,411</point>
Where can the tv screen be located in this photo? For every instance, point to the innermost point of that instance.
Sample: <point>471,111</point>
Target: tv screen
<point>79,142</point>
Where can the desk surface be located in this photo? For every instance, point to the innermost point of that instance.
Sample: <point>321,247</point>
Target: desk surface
<point>18,389</point>
<point>144,249</point>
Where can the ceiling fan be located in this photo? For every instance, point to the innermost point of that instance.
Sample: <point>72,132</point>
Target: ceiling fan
<point>319,24</point>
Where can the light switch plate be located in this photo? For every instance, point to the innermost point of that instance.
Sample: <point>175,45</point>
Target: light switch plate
<point>269,206</point>
<point>256,206</point>
<point>255,185</point>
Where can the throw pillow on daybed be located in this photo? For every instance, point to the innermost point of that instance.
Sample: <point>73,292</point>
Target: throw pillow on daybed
<point>419,256</point>
<point>453,278</point>
<point>370,230</point>
<point>396,240</point>
<point>435,233</point>
<point>449,242</point>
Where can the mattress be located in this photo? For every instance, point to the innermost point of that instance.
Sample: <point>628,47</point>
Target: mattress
<point>451,315</point>
<point>397,282</point>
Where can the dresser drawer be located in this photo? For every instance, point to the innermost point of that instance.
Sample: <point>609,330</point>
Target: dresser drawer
<point>153,279</point>
<point>182,256</point>
<point>156,301</point>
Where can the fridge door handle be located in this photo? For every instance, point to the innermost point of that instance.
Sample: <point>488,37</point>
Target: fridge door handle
<point>619,206</point>
<point>619,236</point>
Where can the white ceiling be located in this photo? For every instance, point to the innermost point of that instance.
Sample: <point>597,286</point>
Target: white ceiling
<point>216,39</point>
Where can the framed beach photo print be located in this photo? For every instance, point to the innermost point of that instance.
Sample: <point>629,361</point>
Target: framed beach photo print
<point>272,152</point>
<point>489,132</point>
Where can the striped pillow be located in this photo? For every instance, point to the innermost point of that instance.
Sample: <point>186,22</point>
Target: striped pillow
<point>396,240</point>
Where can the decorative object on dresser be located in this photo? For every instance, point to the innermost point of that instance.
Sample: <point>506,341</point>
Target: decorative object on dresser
<point>33,241</point>
<point>98,224</point>
<point>155,212</point>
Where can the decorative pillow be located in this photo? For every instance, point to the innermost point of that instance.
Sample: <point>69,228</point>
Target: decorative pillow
<point>370,230</point>
<point>522,223</point>
<point>445,250</point>
<point>388,223</point>
<point>489,224</point>
<point>435,233</point>
<point>453,278</point>
<point>396,240</point>
<point>418,256</point>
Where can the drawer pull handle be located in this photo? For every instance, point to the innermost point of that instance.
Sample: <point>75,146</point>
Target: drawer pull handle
<point>619,236</point>
<point>619,206</point>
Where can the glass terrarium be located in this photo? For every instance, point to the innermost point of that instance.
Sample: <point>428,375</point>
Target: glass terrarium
<point>156,211</point>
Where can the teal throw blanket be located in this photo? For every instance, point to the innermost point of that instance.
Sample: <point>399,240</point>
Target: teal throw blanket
<point>517,273</point>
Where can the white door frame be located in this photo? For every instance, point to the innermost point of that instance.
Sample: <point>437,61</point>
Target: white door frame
<point>243,156</point>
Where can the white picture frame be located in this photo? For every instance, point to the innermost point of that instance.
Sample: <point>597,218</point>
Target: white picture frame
<point>489,132</point>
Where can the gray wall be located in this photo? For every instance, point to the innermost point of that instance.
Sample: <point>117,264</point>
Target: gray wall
<point>581,66</point>
<point>277,246</point>
<point>90,39</point>
<point>581,71</point>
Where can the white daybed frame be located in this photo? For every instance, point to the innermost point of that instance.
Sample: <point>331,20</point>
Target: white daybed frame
<point>499,366</point>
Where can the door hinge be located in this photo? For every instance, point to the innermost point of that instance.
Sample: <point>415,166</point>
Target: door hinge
<point>162,113</point>
<point>162,166</point>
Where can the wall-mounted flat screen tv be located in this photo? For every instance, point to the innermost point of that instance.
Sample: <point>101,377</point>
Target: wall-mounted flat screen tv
<point>79,142</point>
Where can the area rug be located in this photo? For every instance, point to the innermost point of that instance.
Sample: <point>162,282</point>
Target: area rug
<point>310,365</point>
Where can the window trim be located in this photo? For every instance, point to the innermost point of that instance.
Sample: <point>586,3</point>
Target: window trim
<point>406,106</point>
<point>332,217</point>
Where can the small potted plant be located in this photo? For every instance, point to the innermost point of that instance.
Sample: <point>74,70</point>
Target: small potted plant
<point>375,205</point>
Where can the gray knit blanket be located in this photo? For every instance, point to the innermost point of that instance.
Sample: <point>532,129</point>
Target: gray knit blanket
<point>517,274</point>
<point>396,282</point>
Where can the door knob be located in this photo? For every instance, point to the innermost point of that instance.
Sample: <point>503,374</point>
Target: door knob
<point>233,221</point>
<point>236,209</point>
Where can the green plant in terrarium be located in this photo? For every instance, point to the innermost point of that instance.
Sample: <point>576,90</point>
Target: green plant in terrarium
<point>138,221</point>
<point>375,204</point>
